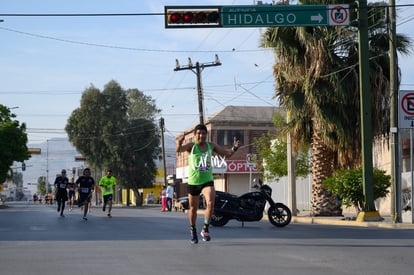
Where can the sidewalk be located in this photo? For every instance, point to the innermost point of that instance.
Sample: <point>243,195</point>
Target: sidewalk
<point>347,220</point>
<point>350,221</point>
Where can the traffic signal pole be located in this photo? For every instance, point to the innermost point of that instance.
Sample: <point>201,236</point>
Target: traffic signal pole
<point>197,69</point>
<point>395,159</point>
<point>369,213</point>
<point>164,166</point>
<point>284,16</point>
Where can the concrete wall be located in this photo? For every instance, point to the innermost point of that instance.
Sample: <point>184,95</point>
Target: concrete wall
<point>303,191</point>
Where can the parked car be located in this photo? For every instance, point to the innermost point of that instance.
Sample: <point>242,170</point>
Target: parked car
<point>182,204</point>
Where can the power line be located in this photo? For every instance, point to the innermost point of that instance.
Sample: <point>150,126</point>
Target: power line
<point>126,48</point>
<point>14,92</point>
<point>78,14</point>
<point>292,8</point>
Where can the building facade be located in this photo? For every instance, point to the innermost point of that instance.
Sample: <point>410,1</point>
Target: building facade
<point>232,175</point>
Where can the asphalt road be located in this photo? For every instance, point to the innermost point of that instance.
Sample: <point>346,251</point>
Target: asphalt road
<point>35,240</point>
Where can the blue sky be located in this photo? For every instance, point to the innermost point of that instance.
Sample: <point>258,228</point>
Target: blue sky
<point>47,62</point>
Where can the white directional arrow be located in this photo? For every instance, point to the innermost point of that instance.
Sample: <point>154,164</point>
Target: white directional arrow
<point>318,18</point>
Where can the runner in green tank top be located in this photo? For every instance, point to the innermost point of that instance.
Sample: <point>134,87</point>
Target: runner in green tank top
<point>107,183</point>
<point>200,179</point>
<point>200,170</point>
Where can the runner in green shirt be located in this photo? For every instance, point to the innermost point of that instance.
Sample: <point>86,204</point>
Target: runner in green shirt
<point>200,176</point>
<point>107,184</point>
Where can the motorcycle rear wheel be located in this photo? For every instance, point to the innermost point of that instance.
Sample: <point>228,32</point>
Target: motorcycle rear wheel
<point>218,220</point>
<point>279,215</point>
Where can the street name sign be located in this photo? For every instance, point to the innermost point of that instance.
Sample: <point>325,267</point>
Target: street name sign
<point>281,15</point>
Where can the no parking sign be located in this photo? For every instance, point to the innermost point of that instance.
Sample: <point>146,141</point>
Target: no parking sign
<point>406,110</point>
<point>338,15</point>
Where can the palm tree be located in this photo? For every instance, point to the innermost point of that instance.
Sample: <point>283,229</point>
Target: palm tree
<point>317,79</point>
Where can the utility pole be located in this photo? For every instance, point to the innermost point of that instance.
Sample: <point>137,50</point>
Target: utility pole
<point>291,176</point>
<point>47,166</point>
<point>197,69</point>
<point>395,160</point>
<point>163,150</point>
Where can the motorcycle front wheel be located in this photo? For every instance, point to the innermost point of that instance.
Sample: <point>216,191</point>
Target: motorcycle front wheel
<point>218,220</point>
<point>279,215</point>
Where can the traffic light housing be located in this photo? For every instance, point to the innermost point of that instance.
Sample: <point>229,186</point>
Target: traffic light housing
<point>80,158</point>
<point>34,151</point>
<point>192,17</point>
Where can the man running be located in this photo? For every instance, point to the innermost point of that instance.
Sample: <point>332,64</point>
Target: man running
<point>200,176</point>
<point>72,189</point>
<point>61,184</point>
<point>107,183</point>
<point>85,185</point>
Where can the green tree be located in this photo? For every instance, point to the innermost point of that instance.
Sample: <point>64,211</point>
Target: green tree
<point>13,141</point>
<point>116,128</point>
<point>272,148</point>
<point>41,185</point>
<point>317,84</point>
<point>18,181</point>
<point>348,186</point>
<point>85,127</point>
<point>140,170</point>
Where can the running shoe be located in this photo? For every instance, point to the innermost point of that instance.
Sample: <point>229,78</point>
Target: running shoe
<point>58,209</point>
<point>109,215</point>
<point>103,208</point>
<point>205,235</point>
<point>62,215</point>
<point>194,238</point>
<point>85,218</point>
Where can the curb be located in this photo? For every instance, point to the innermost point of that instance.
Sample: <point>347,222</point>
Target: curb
<point>313,220</point>
<point>333,221</point>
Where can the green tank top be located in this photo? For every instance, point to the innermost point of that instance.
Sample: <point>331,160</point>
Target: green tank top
<point>107,185</point>
<point>200,170</point>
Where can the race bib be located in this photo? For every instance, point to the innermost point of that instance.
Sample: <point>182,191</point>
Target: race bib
<point>203,163</point>
<point>85,190</point>
<point>108,189</point>
<point>63,185</point>
<point>202,168</point>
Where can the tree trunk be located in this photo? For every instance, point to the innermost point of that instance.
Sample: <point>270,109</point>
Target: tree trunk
<point>323,203</point>
<point>138,199</point>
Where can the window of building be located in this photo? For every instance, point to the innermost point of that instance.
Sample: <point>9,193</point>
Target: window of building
<point>226,137</point>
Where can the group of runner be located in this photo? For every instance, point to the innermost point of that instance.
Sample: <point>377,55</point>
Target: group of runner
<point>85,185</point>
<point>200,181</point>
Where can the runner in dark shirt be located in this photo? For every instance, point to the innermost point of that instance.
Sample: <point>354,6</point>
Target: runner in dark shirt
<point>61,183</point>
<point>85,185</point>
<point>72,189</point>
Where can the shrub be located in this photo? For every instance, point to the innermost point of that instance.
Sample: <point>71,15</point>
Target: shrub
<point>348,186</point>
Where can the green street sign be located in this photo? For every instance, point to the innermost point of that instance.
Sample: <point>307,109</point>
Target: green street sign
<point>279,16</point>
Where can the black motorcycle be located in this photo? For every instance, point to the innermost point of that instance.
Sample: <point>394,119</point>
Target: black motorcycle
<point>249,207</point>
